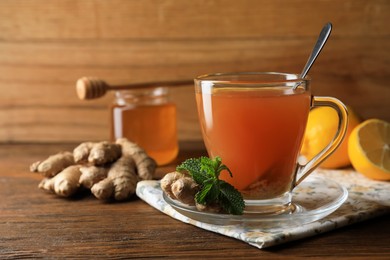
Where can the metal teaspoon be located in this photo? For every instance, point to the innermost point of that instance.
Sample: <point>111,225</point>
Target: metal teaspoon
<point>322,38</point>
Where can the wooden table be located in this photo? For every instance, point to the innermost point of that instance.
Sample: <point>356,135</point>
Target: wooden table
<point>34,224</point>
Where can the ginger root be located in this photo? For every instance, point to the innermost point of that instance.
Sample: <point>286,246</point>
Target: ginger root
<point>97,153</point>
<point>184,189</point>
<point>81,152</point>
<point>104,152</point>
<point>110,170</point>
<point>53,164</point>
<point>168,180</point>
<point>91,175</point>
<point>121,181</point>
<point>146,166</point>
<point>180,187</point>
<point>64,183</point>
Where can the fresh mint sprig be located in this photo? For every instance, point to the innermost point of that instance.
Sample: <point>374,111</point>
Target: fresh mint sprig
<point>205,172</point>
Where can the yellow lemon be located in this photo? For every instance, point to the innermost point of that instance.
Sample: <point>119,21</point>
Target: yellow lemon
<point>369,149</point>
<point>321,128</point>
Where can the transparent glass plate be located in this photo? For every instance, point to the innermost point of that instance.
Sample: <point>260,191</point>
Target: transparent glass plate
<point>314,199</point>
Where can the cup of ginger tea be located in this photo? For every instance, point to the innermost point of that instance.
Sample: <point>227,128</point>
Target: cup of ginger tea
<point>255,121</point>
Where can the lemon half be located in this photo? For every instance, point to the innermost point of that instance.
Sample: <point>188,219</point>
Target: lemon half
<point>369,149</point>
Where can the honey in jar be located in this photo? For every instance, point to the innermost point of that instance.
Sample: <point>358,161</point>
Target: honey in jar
<point>148,118</point>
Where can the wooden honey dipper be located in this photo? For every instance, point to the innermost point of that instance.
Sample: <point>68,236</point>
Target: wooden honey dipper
<point>91,88</point>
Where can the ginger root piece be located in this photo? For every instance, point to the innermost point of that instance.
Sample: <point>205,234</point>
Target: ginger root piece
<point>65,183</point>
<point>146,166</point>
<point>53,164</point>
<point>168,180</point>
<point>103,190</point>
<point>91,175</point>
<point>104,152</point>
<point>184,189</point>
<point>121,180</point>
<point>109,169</point>
<point>81,152</point>
<point>98,153</point>
<point>180,187</point>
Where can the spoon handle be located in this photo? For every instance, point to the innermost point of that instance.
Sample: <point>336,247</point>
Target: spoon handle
<point>322,38</point>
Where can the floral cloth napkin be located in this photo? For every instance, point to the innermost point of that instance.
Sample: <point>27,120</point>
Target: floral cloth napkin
<point>366,199</point>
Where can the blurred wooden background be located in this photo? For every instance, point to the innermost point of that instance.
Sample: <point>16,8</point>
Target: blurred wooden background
<point>45,46</point>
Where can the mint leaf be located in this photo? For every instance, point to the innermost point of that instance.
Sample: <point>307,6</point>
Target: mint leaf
<point>230,199</point>
<point>205,172</point>
<point>193,167</point>
<point>210,166</point>
<point>213,167</point>
<point>208,193</point>
<point>201,195</point>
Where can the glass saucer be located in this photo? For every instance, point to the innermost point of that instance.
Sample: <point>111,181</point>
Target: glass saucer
<point>314,199</point>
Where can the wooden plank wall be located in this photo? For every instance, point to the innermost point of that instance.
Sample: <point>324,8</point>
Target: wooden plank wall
<point>45,46</point>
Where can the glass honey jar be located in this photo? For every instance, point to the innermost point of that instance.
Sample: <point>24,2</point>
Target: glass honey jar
<point>148,118</point>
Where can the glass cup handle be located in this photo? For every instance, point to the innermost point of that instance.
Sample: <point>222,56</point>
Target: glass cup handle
<point>306,169</point>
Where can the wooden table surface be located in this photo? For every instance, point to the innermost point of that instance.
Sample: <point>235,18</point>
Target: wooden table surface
<point>34,224</point>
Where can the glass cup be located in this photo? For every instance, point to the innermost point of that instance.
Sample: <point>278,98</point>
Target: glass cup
<point>255,121</point>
